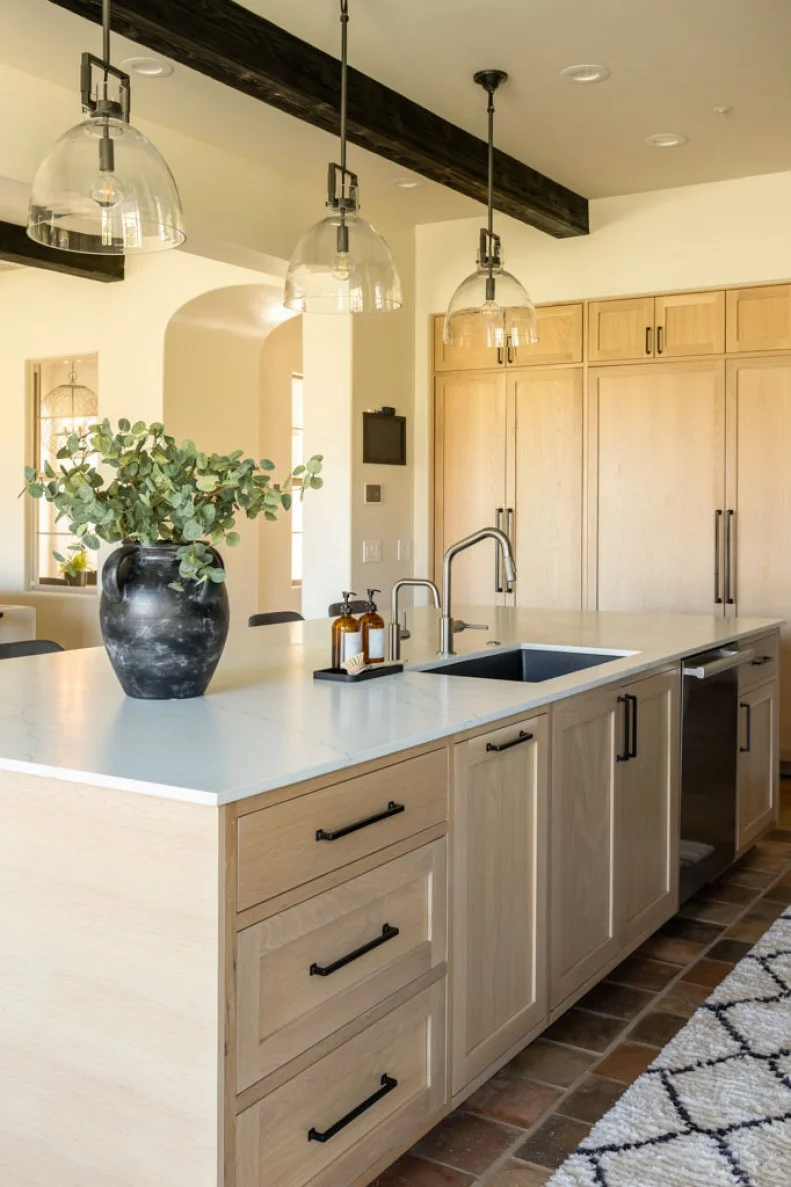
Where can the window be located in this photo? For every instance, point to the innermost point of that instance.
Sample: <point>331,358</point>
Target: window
<point>297,459</point>
<point>64,399</point>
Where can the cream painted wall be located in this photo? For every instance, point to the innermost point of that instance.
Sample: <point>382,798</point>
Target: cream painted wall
<point>281,358</point>
<point>701,236</point>
<point>44,315</point>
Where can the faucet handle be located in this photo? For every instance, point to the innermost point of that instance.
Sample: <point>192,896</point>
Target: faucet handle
<point>459,625</point>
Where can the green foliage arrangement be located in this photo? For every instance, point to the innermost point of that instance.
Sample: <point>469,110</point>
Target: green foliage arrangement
<point>75,564</point>
<point>138,484</point>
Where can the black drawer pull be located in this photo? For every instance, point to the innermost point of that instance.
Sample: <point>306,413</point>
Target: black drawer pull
<point>388,933</point>
<point>762,659</point>
<point>388,1084</point>
<point>497,747</point>
<point>749,728</point>
<point>392,809</point>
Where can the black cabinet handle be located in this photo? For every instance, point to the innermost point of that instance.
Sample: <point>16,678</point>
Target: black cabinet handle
<point>388,1084</point>
<point>749,728</point>
<point>511,356</point>
<point>499,356</point>
<point>326,970</point>
<point>392,809</point>
<point>729,583</point>
<point>497,747</point>
<point>659,339</point>
<point>717,525</point>
<point>629,703</point>
<point>498,523</point>
<point>648,348</point>
<point>760,660</point>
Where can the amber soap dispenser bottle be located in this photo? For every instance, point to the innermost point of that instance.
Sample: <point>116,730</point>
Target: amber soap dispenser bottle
<point>347,639</point>
<point>373,628</point>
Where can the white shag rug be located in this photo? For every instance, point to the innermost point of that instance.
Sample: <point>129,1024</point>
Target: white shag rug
<point>714,1108</point>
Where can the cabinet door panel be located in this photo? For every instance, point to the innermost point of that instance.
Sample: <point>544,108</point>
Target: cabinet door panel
<point>657,473</point>
<point>559,337</point>
<point>647,799</point>
<point>620,330</point>
<point>690,324</point>
<point>462,358</point>
<point>470,477</point>
<point>499,895</point>
<point>759,318</point>
<point>758,776</point>
<point>547,495</point>
<point>759,425</point>
<point>583,927</point>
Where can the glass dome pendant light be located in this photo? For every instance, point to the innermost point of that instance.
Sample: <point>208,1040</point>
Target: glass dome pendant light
<point>104,189</point>
<point>490,309</point>
<point>342,264</point>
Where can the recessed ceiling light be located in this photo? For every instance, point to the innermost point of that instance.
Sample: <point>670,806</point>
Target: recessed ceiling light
<point>147,67</point>
<point>724,110</point>
<point>585,74</point>
<point>666,140</point>
<point>406,183</point>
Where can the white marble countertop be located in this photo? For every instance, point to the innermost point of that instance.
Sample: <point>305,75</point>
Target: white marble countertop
<point>265,723</point>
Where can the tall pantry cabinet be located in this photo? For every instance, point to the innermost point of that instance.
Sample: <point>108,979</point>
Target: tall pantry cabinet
<point>645,472</point>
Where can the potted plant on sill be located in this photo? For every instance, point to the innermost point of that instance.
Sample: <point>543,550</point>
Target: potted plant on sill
<point>164,607</point>
<point>75,568</point>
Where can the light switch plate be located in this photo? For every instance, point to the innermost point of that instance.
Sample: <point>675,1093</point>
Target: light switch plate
<point>373,492</point>
<point>405,550</point>
<point>372,552</point>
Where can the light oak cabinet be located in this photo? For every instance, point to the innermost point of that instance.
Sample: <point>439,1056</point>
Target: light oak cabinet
<point>508,453</point>
<point>613,827</point>
<point>656,472</point>
<point>759,319</point>
<point>499,895</point>
<point>672,326</point>
<point>559,338</point>
<point>470,477</point>
<point>759,496</point>
<point>759,767</point>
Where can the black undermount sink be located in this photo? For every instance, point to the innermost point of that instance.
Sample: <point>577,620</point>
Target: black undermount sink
<point>529,665</point>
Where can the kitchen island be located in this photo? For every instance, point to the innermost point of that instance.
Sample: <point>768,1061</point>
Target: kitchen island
<point>226,935</point>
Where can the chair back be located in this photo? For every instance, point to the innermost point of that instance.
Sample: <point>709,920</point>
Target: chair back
<point>274,617</point>
<point>23,647</point>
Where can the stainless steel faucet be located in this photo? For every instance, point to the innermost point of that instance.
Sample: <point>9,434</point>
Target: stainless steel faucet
<point>509,565</point>
<point>395,629</point>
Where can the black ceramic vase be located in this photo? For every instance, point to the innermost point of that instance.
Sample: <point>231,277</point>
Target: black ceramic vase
<point>163,643</point>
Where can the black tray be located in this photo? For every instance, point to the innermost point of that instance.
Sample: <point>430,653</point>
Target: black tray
<point>343,677</point>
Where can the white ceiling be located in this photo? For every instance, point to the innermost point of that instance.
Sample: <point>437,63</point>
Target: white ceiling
<point>672,62</point>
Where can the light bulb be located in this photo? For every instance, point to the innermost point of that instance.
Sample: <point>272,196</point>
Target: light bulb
<point>107,191</point>
<point>342,267</point>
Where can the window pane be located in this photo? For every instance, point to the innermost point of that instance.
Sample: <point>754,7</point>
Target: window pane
<point>297,411</point>
<point>297,512</point>
<point>296,557</point>
<point>297,458</point>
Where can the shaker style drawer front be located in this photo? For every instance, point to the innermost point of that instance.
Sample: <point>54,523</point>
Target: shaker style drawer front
<point>765,661</point>
<point>303,974</point>
<point>342,1114</point>
<point>302,839</point>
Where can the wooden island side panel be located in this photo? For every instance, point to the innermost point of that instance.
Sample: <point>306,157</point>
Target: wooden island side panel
<point>109,936</point>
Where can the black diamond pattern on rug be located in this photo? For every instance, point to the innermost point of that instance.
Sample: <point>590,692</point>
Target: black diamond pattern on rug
<point>715,1106</point>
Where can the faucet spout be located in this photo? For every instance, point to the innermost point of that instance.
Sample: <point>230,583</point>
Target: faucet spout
<point>395,630</point>
<point>509,565</point>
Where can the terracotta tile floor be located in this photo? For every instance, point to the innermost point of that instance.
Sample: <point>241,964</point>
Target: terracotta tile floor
<point>515,1130</point>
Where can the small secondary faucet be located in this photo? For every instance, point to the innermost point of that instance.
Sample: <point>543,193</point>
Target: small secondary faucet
<point>395,630</point>
<point>509,565</point>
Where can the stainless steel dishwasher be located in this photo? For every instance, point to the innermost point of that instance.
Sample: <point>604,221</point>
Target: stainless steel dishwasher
<point>709,755</point>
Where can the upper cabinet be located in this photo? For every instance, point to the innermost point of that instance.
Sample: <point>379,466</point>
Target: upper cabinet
<point>559,338</point>
<point>689,324</point>
<point>759,319</point>
<point>679,326</point>
<point>619,330</point>
<point>462,358</point>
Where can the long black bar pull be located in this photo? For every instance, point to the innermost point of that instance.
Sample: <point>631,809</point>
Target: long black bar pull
<point>392,809</point>
<point>388,1084</point>
<point>748,728</point>
<point>523,737</point>
<point>388,933</point>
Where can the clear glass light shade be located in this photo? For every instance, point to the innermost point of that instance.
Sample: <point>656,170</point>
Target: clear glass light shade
<point>77,205</point>
<point>476,323</point>
<point>321,279</point>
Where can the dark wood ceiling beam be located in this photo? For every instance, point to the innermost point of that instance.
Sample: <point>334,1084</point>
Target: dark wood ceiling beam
<point>232,45</point>
<point>17,248</point>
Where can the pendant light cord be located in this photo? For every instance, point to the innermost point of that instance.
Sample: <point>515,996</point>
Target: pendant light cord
<point>490,199</point>
<point>106,43</point>
<point>344,70</point>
